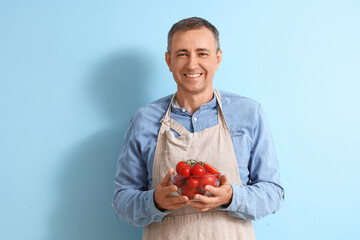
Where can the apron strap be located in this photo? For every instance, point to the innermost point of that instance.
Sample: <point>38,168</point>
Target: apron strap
<point>174,125</point>
<point>171,123</point>
<point>221,117</point>
<point>166,117</point>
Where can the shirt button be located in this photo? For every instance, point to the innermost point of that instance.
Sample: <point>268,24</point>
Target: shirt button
<point>183,110</point>
<point>195,119</point>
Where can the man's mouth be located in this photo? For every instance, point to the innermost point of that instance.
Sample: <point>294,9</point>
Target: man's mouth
<point>193,75</point>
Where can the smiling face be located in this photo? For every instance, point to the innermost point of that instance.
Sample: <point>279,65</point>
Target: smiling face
<point>193,60</point>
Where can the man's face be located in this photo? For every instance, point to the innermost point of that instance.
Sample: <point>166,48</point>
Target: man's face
<point>193,60</point>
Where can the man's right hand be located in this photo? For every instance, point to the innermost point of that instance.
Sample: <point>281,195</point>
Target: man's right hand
<point>162,195</point>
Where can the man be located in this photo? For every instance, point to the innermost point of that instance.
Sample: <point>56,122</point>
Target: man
<point>197,122</point>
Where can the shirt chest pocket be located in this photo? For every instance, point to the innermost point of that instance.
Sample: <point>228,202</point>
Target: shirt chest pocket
<point>242,146</point>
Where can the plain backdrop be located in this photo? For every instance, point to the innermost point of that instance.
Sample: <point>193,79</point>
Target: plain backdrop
<point>72,73</point>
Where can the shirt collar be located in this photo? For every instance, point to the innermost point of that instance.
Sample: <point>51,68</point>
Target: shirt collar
<point>213,103</point>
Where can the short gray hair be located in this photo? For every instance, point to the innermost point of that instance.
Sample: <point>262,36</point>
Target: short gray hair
<point>191,24</point>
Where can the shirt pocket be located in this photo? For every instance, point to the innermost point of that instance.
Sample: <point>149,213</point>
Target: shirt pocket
<point>175,133</point>
<point>241,144</point>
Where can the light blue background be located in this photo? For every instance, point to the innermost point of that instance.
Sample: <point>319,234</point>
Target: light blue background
<point>72,73</point>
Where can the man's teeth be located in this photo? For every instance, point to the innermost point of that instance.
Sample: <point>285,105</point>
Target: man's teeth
<point>193,76</point>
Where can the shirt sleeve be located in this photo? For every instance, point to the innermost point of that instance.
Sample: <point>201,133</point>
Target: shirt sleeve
<point>263,194</point>
<point>133,202</point>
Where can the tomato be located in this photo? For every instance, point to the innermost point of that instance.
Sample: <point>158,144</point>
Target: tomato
<point>207,179</point>
<point>211,169</point>
<point>192,182</point>
<point>198,170</point>
<point>185,171</point>
<point>179,166</point>
<point>189,191</point>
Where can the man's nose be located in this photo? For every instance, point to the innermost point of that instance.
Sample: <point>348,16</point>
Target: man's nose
<point>193,62</point>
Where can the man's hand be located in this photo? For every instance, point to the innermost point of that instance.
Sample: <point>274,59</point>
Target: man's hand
<point>222,195</point>
<point>163,200</point>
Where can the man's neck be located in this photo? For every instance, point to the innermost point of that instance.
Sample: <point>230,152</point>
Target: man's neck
<point>194,101</point>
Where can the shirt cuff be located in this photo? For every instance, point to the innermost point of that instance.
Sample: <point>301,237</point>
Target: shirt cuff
<point>237,199</point>
<point>152,209</point>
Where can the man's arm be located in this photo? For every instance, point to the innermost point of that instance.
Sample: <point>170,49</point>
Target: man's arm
<point>133,202</point>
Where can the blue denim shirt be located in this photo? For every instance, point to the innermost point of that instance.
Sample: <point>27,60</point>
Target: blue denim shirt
<point>261,193</point>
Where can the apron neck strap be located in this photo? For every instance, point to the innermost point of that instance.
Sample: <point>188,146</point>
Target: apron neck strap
<point>167,114</point>
<point>221,117</point>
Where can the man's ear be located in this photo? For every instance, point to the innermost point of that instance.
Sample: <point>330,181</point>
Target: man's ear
<point>168,60</point>
<point>218,59</point>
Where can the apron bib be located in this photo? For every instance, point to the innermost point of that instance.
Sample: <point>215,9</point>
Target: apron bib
<point>214,146</point>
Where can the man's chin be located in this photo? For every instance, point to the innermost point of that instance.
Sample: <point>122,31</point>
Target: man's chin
<point>195,90</point>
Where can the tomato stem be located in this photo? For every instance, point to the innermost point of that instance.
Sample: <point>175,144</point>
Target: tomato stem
<point>193,162</point>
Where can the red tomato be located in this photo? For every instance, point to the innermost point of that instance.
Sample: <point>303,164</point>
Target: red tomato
<point>198,170</point>
<point>211,169</point>
<point>179,166</point>
<point>192,182</point>
<point>207,179</point>
<point>185,171</point>
<point>189,192</point>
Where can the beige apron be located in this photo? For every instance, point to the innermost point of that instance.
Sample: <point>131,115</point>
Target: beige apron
<point>214,146</point>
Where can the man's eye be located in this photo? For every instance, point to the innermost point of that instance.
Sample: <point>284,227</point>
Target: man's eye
<point>203,54</point>
<point>181,55</point>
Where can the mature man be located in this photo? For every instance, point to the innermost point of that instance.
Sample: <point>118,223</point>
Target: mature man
<point>197,122</point>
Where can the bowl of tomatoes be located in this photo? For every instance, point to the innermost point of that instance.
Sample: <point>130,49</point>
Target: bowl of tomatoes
<point>193,176</point>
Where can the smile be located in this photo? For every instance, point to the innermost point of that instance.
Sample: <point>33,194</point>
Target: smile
<point>193,75</point>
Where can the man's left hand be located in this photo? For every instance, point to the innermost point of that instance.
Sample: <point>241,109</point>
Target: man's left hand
<point>222,195</point>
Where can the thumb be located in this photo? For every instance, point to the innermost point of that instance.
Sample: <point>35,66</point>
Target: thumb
<point>224,180</point>
<point>166,181</point>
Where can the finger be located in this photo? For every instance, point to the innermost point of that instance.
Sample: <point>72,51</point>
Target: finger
<point>168,189</point>
<point>224,180</point>
<point>166,181</point>
<point>200,207</point>
<point>180,199</point>
<point>178,205</point>
<point>203,209</point>
<point>198,204</point>
<point>213,190</point>
<point>202,199</point>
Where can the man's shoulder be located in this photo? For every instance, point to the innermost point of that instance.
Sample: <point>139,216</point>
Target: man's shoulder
<point>240,112</point>
<point>154,110</point>
<point>236,100</point>
<point>160,105</point>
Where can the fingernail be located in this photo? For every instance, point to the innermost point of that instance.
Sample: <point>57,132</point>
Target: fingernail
<point>207,188</point>
<point>196,197</point>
